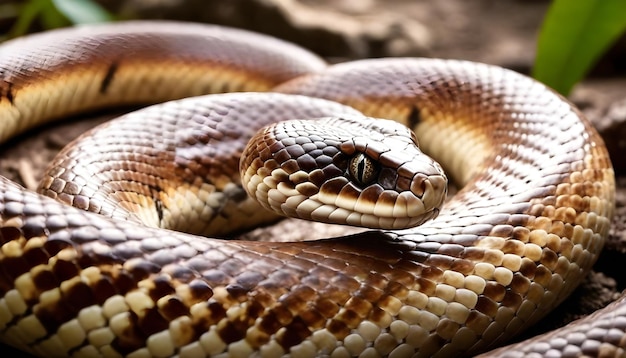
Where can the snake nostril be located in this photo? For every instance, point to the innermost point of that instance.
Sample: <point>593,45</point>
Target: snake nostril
<point>418,185</point>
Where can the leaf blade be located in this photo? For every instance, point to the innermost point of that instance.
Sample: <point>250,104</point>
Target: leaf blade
<point>574,35</point>
<point>82,11</point>
<point>28,13</point>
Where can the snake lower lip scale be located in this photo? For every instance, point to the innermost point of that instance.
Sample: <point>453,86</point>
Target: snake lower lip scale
<point>535,206</point>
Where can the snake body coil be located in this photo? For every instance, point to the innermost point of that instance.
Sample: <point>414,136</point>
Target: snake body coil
<point>535,206</point>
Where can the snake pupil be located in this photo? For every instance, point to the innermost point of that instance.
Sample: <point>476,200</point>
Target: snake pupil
<point>363,169</point>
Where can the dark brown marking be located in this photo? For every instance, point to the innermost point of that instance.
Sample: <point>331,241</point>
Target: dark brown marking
<point>334,185</point>
<point>549,258</point>
<point>232,332</point>
<point>502,231</point>
<point>79,296</point>
<point>45,280</point>
<point>9,233</point>
<point>426,286</point>
<point>512,300</point>
<point>270,323</point>
<point>6,284</point>
<point>359,306</point>
<point>369,293</point>
<point>108,77</point>
<point>520,284</point>
<point>326,307</point>
<point>217,312</point>
<point>254,310</point>
<point>512,246</point>
<point>487,306</point>
<point>291,166</point>
<point>308,190</point>
<point>397,289</point>
<point>447,328</point>
<point>415,117</point>
<point>162,287</point>
<point>200,291</point>
<point>378,315</point>
<point>158,206</point>
<point>313,318</point>
<point>103,289</point>
<point>543,276</point>
<point>371,193</point>
<point>36,256</point>
<point>475,254</point>
<point>299,298</point>
<point>173,308</point>
<point>143,269</point>
<point>477,321</point>
<point>495,291</point>
<point>528,269</point>
<point>237,292</point>
<point>463,266</point>
<point>14,267</point>
<point>34,227</point>
<point>338,328</point>
<point>53,315</point>
<point>152,322</point>
<point>435,272</point>
<point>6,91</point>
<point>450,250</point>
<point>295,333</point>
<point>124,283</point>
<point>131,338</point>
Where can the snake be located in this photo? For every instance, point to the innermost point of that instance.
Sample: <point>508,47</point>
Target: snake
<point>130,247</point>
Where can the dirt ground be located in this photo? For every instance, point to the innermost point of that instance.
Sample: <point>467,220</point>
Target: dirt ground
<point>501,32</point>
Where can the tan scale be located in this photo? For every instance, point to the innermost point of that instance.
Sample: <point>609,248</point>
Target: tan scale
<point>535,205</point>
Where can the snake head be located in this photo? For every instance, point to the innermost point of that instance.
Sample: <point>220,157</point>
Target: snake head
<point>356,171</point>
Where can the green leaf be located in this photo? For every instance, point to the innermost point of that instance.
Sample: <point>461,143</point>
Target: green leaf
<point>82,11</point>
<point>574,35</point>
<point>27,15</point>
<point>50,17</point>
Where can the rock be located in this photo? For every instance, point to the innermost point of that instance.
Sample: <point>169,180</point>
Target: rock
<point>612,127</point>
<point>338,30</point>
<point>617,234</point>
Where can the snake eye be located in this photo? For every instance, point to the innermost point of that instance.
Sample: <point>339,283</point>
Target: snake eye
<point>363,169</point>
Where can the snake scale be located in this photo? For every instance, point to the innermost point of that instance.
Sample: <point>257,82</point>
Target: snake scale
<point>534,208</point>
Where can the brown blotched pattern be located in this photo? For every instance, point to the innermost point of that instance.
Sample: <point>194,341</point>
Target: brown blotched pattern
<point>182,173</point>
<point>529,222</point>
<point>536,203</point>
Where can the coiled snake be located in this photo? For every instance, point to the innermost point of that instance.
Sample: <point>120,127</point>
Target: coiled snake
<point>536,202</point>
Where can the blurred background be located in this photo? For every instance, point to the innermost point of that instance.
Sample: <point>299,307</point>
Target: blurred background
<point>500,32</point>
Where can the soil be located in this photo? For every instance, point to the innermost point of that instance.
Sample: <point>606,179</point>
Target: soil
<point>501,32</point>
